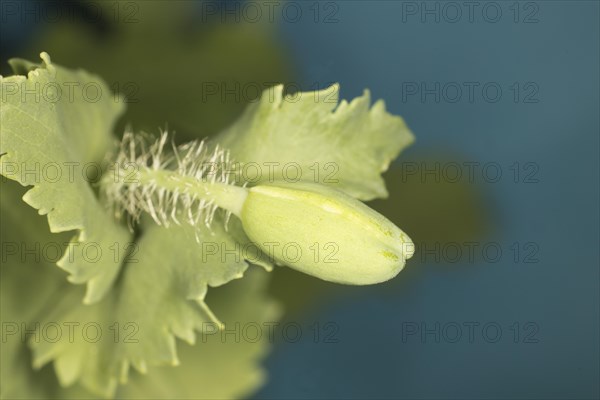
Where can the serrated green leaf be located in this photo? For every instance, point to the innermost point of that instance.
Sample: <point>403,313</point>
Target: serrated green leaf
<point>213,367</point>
<point>159,298</point>
<point>33,292</point>
<point>49,134</point>
<point>217,368</point>
<point>309,136</point>
<point>163,292</point>
<point>28,283</point>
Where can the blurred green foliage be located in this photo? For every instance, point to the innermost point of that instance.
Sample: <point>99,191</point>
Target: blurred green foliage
<point>179,69</point>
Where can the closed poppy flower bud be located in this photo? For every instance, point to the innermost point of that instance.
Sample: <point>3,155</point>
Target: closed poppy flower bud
<point>324,233</point>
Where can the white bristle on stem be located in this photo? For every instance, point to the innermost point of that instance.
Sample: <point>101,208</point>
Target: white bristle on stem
<point>186,183</point>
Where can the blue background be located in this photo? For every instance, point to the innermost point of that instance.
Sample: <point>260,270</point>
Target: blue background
<point>373,47</point>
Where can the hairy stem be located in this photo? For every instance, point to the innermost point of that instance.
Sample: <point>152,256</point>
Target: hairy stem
<point>226,196</point>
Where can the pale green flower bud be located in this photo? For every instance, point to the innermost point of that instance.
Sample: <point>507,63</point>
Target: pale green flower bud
<point>324,233</point>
